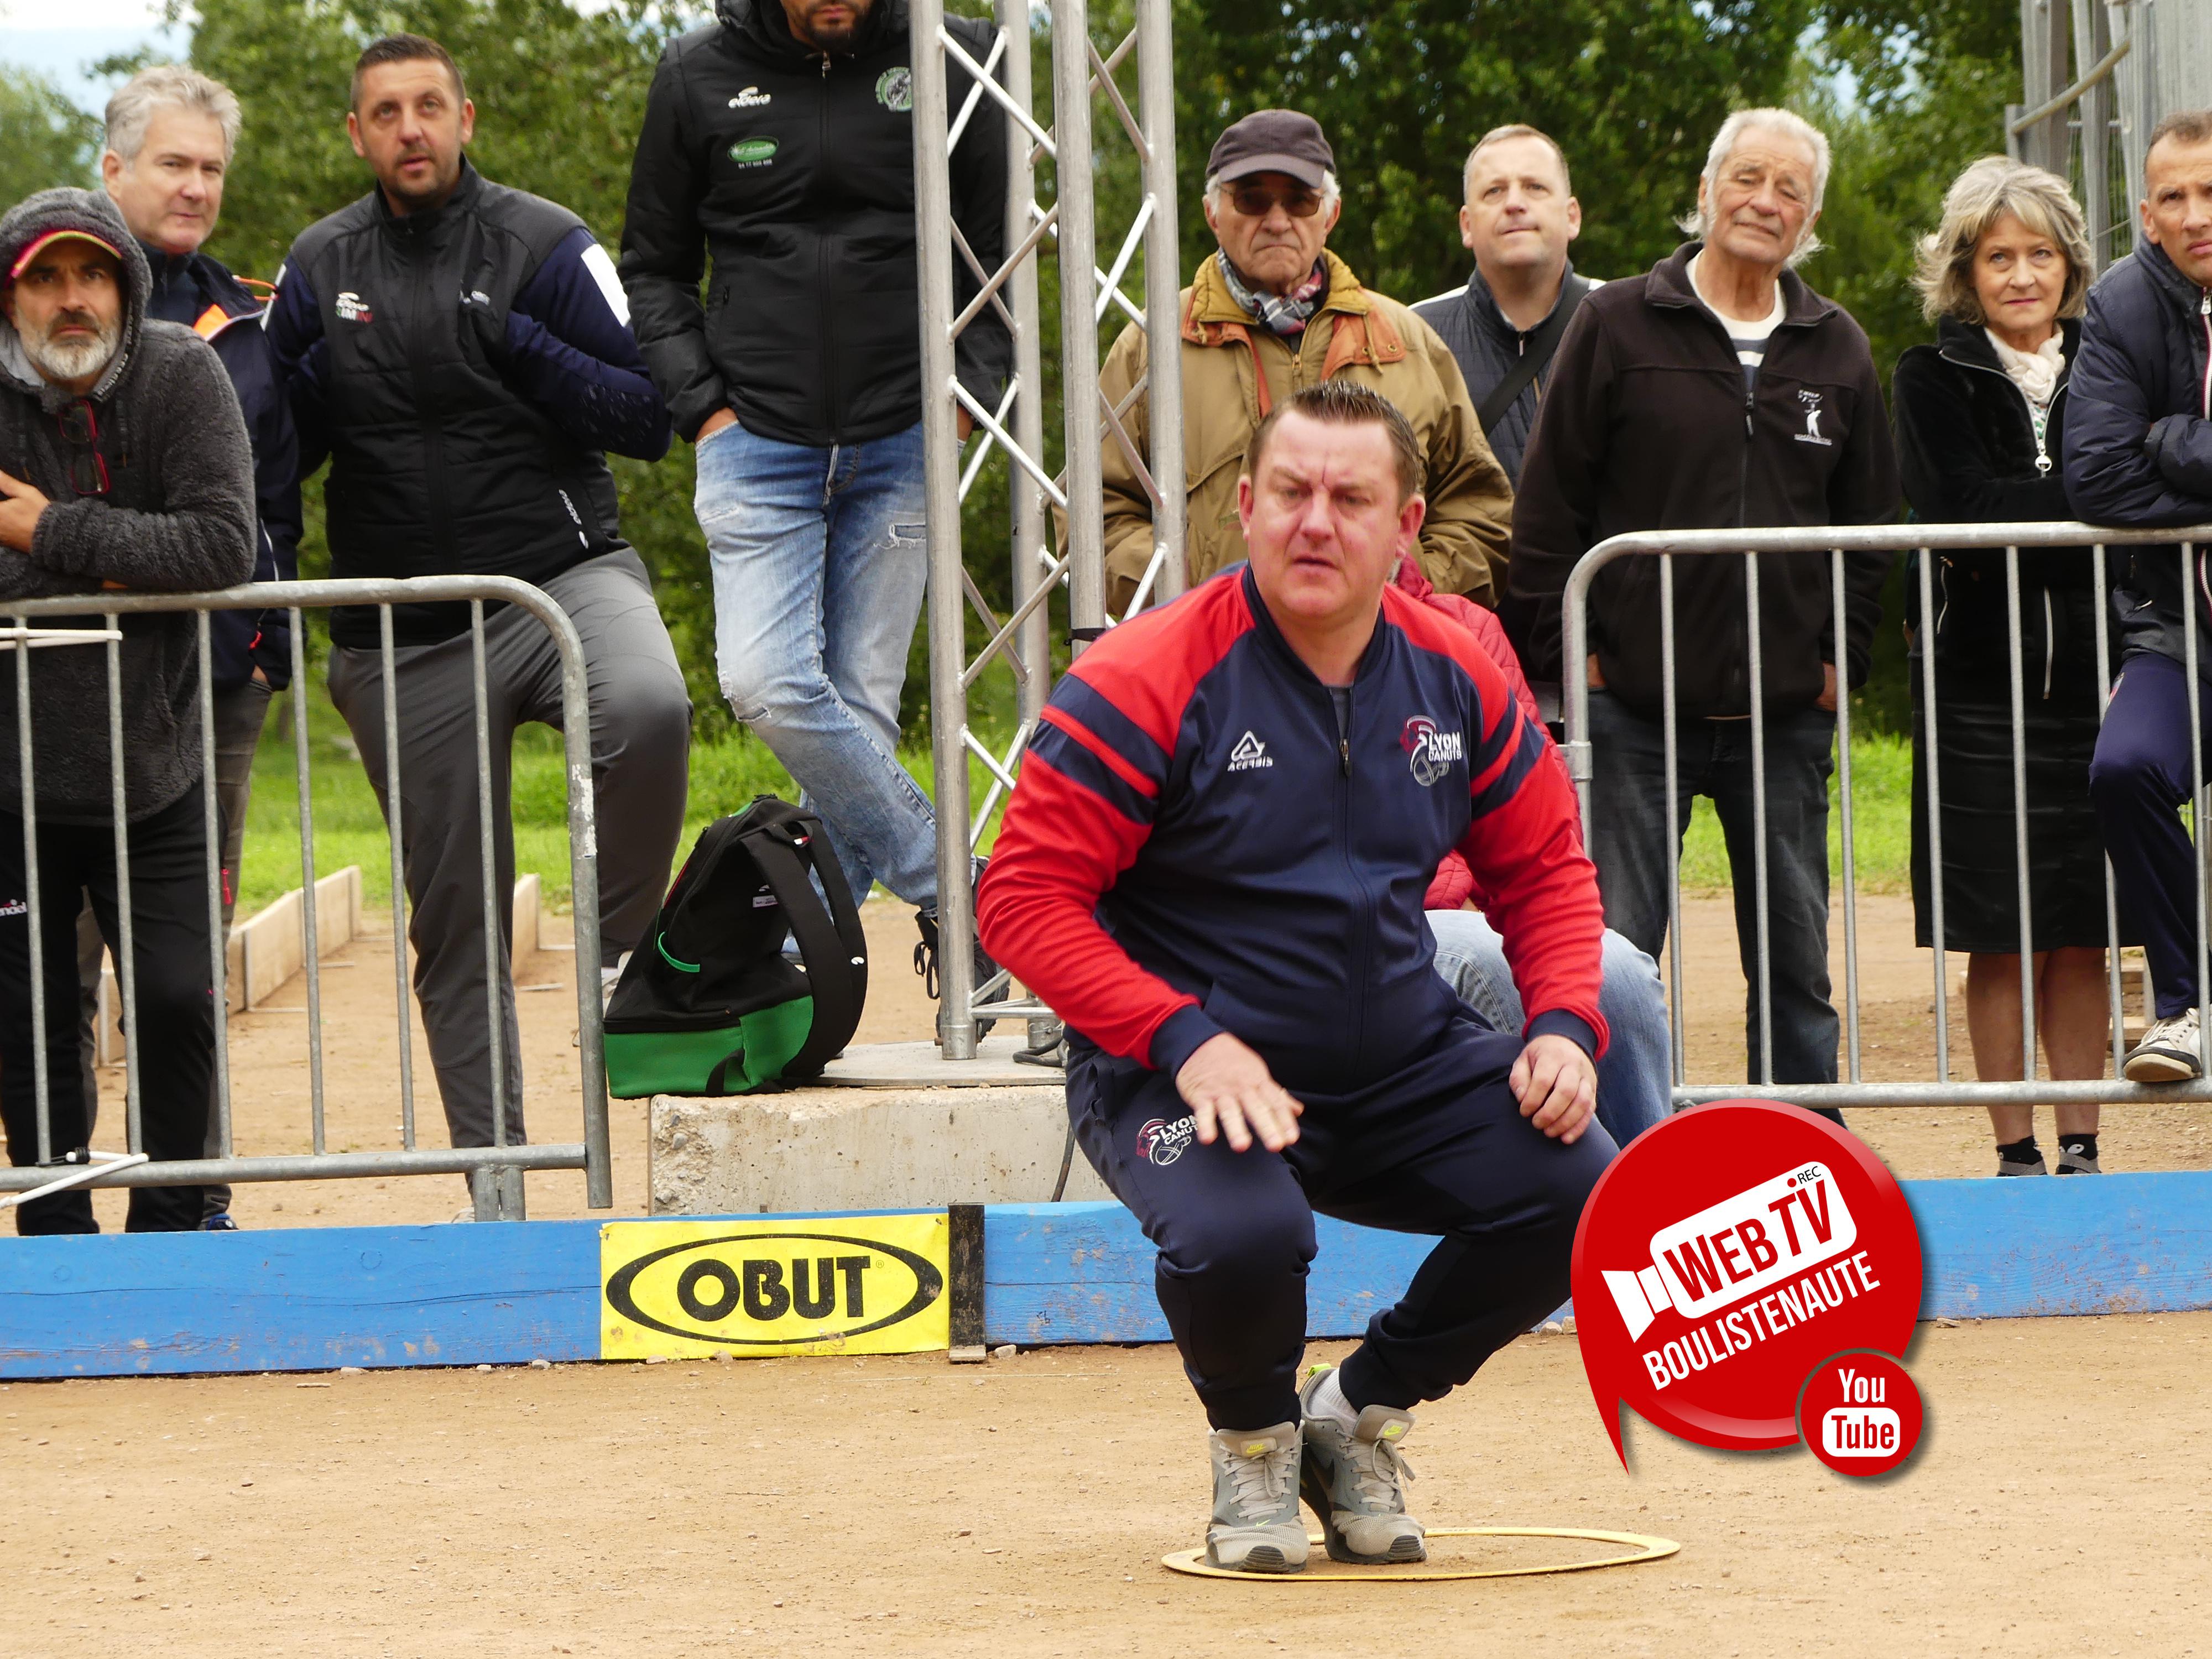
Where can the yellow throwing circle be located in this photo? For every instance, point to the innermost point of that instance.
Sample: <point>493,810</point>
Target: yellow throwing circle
<point>1644,1548</point>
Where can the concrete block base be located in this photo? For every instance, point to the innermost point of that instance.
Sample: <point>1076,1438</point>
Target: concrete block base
<point>861,1149</point>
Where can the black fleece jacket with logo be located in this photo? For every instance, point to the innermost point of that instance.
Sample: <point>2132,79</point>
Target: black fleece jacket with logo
<point>793,171</point>
<point>1647,425</point>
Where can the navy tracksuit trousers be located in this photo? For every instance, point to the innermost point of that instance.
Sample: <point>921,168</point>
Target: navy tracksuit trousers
<point>1438,1148</point>
<point>2139,779</point>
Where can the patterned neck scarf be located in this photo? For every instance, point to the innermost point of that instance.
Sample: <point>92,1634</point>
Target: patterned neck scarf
<point>1286,314</point>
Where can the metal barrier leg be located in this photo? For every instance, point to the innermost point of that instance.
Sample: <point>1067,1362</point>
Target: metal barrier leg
<point>34,921</point>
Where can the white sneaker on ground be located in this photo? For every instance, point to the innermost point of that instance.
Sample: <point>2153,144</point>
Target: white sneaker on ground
<point>2171,1051</point>
<point>1256,1526</point>
<point>1355,1480</point>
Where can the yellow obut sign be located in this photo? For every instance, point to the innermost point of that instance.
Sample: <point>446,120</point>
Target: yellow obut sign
<point>835,1285</point>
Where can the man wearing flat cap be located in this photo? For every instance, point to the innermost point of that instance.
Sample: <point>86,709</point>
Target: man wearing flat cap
<point>1271,312</point>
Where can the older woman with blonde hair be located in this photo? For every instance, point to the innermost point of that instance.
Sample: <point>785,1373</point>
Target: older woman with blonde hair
<point>1979,417</point>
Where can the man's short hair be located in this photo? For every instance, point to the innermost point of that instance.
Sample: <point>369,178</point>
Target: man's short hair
<point>1698,222</point>
<point>404,49</point>
<point>1348,403</point>
<point>1978,198</point>
<point>167,86</point>
<point>1514,129</point>
<point>2186,126</point>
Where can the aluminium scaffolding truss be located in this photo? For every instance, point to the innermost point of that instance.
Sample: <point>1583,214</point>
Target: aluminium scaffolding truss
<point>1001,89</point>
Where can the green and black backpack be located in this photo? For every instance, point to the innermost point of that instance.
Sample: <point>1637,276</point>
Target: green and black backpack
<point>708,1004</point>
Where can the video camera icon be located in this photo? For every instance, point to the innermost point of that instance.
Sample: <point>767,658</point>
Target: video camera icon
<point>1731,1251</point>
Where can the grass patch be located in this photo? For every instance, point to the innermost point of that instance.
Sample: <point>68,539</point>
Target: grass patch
<point>727,771</point>
<point>1881,825</point>
<point>725,774</point>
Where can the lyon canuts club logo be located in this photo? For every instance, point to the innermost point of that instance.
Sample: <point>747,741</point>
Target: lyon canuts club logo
<point>1428,751</point>
<point>1162,1142</point>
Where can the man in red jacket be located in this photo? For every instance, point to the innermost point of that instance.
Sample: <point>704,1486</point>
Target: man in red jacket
<point>1213,869</point>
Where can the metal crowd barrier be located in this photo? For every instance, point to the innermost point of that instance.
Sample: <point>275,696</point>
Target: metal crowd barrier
<point>1023,641</point>
<point>1839,543</point>
<point>496,1192</point>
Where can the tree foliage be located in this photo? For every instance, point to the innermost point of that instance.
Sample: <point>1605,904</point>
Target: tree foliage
<point>44,139</point>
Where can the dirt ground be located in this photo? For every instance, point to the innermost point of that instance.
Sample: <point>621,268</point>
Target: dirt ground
<point>271,1112</point>
<point>907,1506</point>
<point>271,1109</point>
<point>900,1506</point>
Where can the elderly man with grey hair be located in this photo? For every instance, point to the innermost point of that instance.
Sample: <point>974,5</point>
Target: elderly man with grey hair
<point>1273,311</point>
<point>172,132</point>
<point>1717,390</point>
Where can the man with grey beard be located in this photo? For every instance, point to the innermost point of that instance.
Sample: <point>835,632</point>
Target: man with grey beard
<point>135,472</point>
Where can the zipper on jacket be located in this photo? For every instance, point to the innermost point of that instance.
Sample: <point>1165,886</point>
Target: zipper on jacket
<point>2204,310</point>
<point>822,265</point>
<point>2037,431</point>
<point>1357,961</point>
<point>2049,645</point>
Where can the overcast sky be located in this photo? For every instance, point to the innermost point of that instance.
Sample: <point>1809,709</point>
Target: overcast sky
<point>96,29</point>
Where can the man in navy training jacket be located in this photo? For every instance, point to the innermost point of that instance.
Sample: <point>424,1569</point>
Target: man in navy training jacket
<point>1213,869</point>
<point>171,135</point>
<point>2139,453</point>
<point>462,353</point>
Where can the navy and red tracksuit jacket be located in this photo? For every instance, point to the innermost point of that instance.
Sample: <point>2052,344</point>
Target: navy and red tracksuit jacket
<point>1192,849</point>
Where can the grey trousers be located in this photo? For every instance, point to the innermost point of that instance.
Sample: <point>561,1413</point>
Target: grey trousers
<point>640,744</point>
<point>241,712</point>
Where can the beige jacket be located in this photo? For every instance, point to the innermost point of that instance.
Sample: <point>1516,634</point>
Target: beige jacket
<point>1233,371</point>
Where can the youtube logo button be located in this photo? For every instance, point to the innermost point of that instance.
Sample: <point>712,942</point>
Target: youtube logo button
<point>1860,1412</point>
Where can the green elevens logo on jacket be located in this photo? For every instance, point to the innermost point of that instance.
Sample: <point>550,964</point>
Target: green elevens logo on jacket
<point>753,152</point>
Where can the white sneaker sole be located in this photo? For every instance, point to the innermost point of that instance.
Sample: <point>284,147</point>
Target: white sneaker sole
<point>1260,1557</point>
<point>2160,1065</point>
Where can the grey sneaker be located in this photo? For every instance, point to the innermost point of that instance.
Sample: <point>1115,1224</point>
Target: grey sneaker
<point>2168,1054</point>
<point>2071,1161</point>
<point>1356,1483</point>
<point>1256,1526</point>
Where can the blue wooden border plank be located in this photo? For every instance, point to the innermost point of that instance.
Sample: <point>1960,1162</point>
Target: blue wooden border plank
<point>299,1299</point>
<point>2119,1243</point>
<point>313,1298</point>
<point>2083,1244</point>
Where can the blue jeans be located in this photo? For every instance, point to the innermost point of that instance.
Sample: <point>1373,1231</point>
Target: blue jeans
<point>820,567</point>
<point>1628,844</point>
<point>1634,1083</point>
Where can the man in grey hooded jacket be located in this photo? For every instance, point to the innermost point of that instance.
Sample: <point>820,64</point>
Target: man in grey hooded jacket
<point>123,464</point>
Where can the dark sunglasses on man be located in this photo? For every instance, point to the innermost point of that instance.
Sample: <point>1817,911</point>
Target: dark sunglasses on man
<point>88,466</point>
<point>1257,201</point>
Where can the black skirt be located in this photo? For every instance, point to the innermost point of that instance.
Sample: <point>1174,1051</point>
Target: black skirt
<point>2066,860</point>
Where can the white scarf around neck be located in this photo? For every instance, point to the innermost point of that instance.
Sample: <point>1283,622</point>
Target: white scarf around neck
<point>2035,373</point>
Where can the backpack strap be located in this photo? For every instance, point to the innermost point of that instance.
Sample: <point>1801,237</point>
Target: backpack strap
<point>1535,357</point>
<point>833,947</point>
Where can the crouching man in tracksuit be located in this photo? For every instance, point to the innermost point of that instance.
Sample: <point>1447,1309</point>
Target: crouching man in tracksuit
<point>1213,870</point>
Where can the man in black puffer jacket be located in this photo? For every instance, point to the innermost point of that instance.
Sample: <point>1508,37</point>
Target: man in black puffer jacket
<point>2139,453</point>
<point>126,466</point>
<point>779,143</point>
<point>462,353</point>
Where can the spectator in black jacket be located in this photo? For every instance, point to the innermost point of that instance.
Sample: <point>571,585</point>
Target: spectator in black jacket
<point>1715,392</point>
<point>1520,217</point>
<point>127,466</point>
<point>462,353</point>
<point>2139,453</point>
<point>171,134</point>
<point>1981,419</point>
<point>800,379</point>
